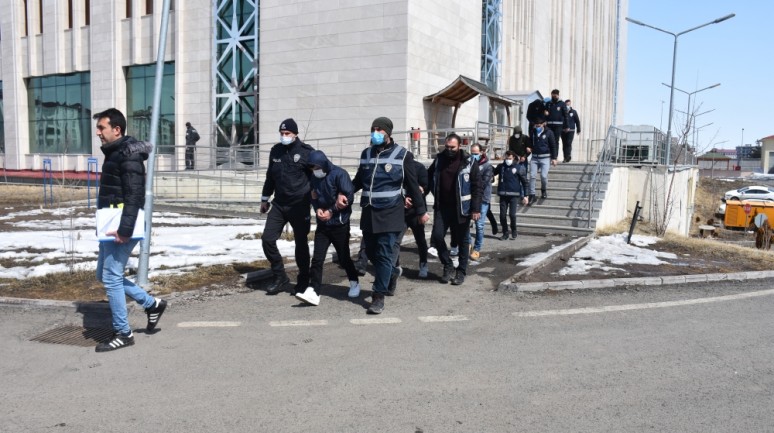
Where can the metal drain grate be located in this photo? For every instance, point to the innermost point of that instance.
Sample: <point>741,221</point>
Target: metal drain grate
<point>74,336</point>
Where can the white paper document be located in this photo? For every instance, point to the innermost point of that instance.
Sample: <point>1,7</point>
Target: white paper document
<point>109,218</point>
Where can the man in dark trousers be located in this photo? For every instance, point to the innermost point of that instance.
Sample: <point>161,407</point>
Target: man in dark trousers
<point>328,181</point>
<point>568,135</point>
<point>556,115</point>
<point>122,185</point>
<point>456,186</point>
<point>287,177</point>
<point>191,137</point>
<point>386,175</point>
<point>542,145</point>
<point>535,110</point>
<point>417,230</point>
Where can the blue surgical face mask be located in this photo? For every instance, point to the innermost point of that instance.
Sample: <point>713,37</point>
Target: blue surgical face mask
<point>285,139</point>
<point>476,156</point>
<point>377,138</point>
<point>508,161</point>
<point>539,129</point>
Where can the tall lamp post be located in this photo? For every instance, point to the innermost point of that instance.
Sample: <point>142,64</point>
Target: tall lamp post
<point>690,94</point>
<point>674,65</point>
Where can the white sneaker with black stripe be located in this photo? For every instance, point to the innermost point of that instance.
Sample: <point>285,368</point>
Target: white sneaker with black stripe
<point>118,341</point>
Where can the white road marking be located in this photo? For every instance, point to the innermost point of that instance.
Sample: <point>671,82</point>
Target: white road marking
<point>431,319</point>
<point>208,324</point>
<point>627,307</point>
<point>379,321</point>
<point>298,323</point>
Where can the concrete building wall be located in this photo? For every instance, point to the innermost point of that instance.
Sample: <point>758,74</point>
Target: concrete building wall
<point>333,66</point>
<point>570,46</point>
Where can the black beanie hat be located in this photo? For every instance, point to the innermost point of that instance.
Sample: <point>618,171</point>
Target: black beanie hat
<point>289,125</point>
<point>384,124</point>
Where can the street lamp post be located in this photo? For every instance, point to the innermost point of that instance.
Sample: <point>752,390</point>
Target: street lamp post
<point>674,65</point>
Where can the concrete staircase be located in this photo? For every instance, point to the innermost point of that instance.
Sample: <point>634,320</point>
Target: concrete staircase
<point>568,209</point>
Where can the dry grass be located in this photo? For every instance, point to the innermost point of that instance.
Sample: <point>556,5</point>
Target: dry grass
<point>83,285</point>
<point>32,195</point>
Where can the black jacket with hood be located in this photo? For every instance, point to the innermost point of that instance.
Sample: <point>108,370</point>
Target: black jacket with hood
<point>326,190</point>
<point>123,179</point>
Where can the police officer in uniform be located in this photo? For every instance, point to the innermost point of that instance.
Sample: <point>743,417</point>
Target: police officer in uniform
<point>287,177</point>
<point>386,175</point>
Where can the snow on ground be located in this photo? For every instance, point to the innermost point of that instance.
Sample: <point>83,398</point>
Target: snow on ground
<point>178,242</point>
<point>61,237</point>
<point>607,251</point>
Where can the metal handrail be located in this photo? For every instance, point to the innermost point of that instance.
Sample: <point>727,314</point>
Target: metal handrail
<point>604,159</point>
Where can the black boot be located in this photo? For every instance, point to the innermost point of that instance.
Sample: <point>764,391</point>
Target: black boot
<point>532,200</point>
<point>543,194</point>
<point>278,284</point>
<point>447,274</point>
<point>459,278</point>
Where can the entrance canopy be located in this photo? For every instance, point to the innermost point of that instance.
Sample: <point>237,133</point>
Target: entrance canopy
<point>462,90</point>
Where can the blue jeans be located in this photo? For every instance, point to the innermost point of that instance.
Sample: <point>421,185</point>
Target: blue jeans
<point>480,227</point>
<point>542,164</point>
<point>379,248</point>
<point>110,271</point>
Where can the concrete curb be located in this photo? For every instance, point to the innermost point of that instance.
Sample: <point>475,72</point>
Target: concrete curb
<point>562,254</point>
<point>628,282</point>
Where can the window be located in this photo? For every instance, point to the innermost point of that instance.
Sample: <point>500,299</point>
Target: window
<point>40,16</point>
<point>69,14</point>
<point>87,11</point>
<point>140,81</point>
<point>60,113</point>
<point>26,20</point>
<point>148,7</point>
<point>128,8</point>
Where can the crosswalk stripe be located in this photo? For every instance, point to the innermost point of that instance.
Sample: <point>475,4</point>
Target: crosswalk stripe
<point>431,319</point>
<point>204,324</point>
<point>379,321</point>
<point>280,323</point>
<point>645,306</point>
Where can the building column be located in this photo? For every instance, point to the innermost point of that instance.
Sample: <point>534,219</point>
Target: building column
<point>17,133</point>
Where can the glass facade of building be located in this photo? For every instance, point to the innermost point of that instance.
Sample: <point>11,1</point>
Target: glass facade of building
<point>60,113</point>
<point>140,81</point>
<point>236,72</point>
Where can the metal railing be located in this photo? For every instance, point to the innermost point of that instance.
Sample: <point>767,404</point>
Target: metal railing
<point>601,168</point>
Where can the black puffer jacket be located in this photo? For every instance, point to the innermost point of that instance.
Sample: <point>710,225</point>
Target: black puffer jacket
<point>287,176</point>
<point>123,179</point>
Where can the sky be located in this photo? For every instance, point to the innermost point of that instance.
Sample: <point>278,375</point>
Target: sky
<point>182,242</point>
<point>737,53</point>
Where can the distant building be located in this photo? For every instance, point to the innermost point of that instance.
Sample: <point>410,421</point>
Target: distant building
<point>767,154</point>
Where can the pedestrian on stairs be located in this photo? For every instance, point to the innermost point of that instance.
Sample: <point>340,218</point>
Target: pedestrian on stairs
<point>544,154</point>
<point>512,187</point>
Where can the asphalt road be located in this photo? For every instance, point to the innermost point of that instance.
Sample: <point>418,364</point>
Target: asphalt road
<point>445,359</point>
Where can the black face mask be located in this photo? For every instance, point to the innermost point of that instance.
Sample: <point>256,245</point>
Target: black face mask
<point>451,153</point>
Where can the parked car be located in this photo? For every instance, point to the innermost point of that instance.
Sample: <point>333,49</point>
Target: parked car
<point>750,193</point>
<point>721,210</point>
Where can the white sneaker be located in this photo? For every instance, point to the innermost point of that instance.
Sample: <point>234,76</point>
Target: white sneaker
<point>454,252</point>
<point>309,296</point>
<point>354,289</point>
<point>423,270</point>
<point>432,251</point>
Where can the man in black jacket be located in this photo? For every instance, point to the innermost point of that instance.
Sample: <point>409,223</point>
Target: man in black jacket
<point>568,135</point>
<point>456,186</point>
<point>287,177</point>
<point>556,115</point>
<point>122,185</point>
<point>386,175</point>
<point>191,137</point>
